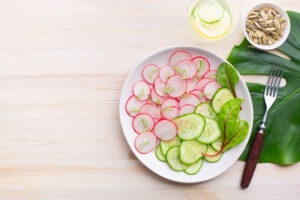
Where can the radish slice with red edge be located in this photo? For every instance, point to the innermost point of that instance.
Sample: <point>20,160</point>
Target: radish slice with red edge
<point>202,82</point>
<point>202,65</point>
<point>178,56</point>
<point>170,112</point>
<point>189,99</point>
<point>145,142</point>
<point>186,69</point>
<point>166,72</point>
<point>141,90</point>
<point>188,108</point>
<point>212,74</point>
<point>142,123</point>
<point>169,102</point>
<point>160,87</point>
<point>165,130</point>
<point>133,106</point>
<point>156,98</point>
<point>199,94</point>
<point>210,89</point>
<point>151,109</point>
<point>176,86</point>
<point>150,73</point>
<point>191,84</point>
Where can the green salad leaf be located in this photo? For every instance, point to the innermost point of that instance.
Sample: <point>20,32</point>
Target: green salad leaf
<point>282,135</point>
<point>228,77</point>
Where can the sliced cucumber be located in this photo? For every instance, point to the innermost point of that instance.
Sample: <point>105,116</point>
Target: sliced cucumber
<point>206,110</point>
<point>210,11</point>
<point>211,131</point>
<point>173,159</point>
<point>159,154</point>
<point>165,146</point>
<point>191,151</point>
<point>190,126</point>
<point>217,145</point>
<point>221,96</point>
<point>211,151</point>
<point>194,168</point>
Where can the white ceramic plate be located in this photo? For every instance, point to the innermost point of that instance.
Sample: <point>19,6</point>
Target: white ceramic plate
<point>208,170</point>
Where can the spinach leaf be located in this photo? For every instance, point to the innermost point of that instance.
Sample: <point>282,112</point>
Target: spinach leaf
<point>228,77</point>
<point>282,136</point>
<point>236,132</point>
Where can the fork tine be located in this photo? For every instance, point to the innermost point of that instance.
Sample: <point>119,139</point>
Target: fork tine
<point>268,82</point>
<point>277,87</point>
<point>269,86</point>
<point>275,83</point>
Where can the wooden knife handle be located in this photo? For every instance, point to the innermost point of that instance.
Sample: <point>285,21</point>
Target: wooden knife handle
<point>252,159</point>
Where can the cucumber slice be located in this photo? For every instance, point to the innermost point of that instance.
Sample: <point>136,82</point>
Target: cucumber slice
<point>210,11</point>
<point>190,126</point>
<point>194,168</point>
<point>206,110</point>
<point>159,154</point>
<point>211,151</point>
<point>191,151</point>
<point>221,96</point>
<point>173,159</point>
<point>211,131</point>
<point>217,145</point>
<point>166,145</point>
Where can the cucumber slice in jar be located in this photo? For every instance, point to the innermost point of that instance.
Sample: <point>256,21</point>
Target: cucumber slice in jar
<point>206,110</point>
<point>221,96</point>
<point>194,168</point>
<point>190,126</point>
<point>211,151</point>
<point>191,151</point>
<point>211,131</point>
<point>210,11</point>
<point>166,145</point>
<point>173,159</point>
<point>159,154</point>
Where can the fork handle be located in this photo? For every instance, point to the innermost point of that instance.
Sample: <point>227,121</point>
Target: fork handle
<point>252,159</point>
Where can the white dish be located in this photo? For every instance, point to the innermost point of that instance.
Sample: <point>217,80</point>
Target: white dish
<point>208,170</point>
<point>286,31</point>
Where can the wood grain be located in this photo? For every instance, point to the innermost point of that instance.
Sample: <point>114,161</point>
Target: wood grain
<point>62,67</point>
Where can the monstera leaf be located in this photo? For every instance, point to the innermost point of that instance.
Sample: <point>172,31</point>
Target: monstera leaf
<point>282,136</point>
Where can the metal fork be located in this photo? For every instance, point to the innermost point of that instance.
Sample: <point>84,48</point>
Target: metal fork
<point>270,97</point>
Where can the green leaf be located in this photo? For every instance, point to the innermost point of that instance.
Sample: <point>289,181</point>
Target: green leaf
<point>144,122</point>
<point>282,136</point>
<point>228,77</point>
<point>236,132</point>
<point>180,71</point>
<point>169,89</point>
<point>201,65</point>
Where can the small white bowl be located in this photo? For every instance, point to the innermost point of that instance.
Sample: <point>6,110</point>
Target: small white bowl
<point>286,31</point>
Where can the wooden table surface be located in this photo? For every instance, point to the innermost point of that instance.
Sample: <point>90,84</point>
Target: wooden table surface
<point>62,67</point>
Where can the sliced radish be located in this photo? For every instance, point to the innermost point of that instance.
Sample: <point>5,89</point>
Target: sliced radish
<point>189,99</point>
<point>160,87</point>
<point>202,65</point>
<point>169,102</point>
<point>186,69</point>
<point>202,82</point>
<point>178,56</point>
<point>152,110</point>
<point>188,108</point>
<point>210,89</point>
<point>156,98</point>
<point>145,142</point>
<point>166,72</point>
<point>170,112</point>
<point>133,106</point>
<point>150,73</point>
<point>165,130</point>
<point>141,90</point>
<point>212,74</point>
<point>191,84</point>
<point>176,86</point>
<point>156,120</point>
<point>142,123</point>
<point>199,94</point>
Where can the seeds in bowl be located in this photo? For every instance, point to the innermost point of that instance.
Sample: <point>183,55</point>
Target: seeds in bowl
<point>265,26</point>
